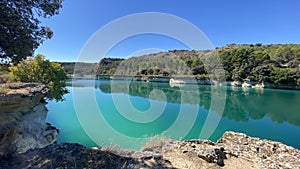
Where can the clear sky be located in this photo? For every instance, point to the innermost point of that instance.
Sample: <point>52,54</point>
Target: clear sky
<point>223,22</point>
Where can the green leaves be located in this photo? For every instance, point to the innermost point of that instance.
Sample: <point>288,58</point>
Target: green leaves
<point>272,63</point>
<point>20,30</point>
<point>285,76</point>
<point>40,70</point>
<point>108,66</point>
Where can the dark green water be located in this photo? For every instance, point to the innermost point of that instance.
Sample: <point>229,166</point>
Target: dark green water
<point>178,112</point>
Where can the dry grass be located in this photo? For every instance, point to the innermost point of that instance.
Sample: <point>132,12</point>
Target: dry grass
<point>155,143</point>
<point>4,88</point>
<point>4,78</point>
<point>117,150</point>
<point>9,85</point>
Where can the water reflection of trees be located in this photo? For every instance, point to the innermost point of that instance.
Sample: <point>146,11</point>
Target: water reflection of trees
<point>241,105</point>
<point>142,89</point>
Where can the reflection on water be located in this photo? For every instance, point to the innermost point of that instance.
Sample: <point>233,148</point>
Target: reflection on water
<point>265,113</point>
<point>242,104</point>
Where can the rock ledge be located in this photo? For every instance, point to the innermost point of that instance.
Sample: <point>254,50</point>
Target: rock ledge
<point>22,119</point>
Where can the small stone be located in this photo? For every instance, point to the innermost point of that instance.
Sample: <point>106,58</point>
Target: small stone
<point>220,162</point>
<point>157,156</point>
<point>146,157</point>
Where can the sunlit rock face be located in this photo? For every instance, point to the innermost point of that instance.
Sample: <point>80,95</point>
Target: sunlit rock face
<point>20,97</point>
<point>22,119</point>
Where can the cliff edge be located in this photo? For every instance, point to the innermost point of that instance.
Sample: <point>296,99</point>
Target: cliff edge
<point>22,118</point>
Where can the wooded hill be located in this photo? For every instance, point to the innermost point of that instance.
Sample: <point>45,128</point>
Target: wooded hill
<point>82,69</point>
<point>277,64</point>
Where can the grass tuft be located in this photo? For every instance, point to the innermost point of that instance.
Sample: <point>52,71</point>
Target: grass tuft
<point>116,149</point>
<point>155,143</point>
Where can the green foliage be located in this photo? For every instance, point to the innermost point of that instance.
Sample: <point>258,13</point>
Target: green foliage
<point>4,77</point>
<point>277,64</point>
<point>79,69</point>
<point>285,76</point>
<point>68,67</point>
<point>108,66</point>
<point>4,69</point>
<point>20,30</point>
<point>40,70</point>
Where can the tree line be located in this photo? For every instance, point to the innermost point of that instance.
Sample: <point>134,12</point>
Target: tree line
<point>276,64</point>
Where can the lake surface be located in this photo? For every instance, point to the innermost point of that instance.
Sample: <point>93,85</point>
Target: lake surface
<point>102,112</point>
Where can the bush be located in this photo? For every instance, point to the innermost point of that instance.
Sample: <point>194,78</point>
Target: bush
<point>40,70</point>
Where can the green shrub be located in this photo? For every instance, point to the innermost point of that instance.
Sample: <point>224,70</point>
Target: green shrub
<point>40,70</point>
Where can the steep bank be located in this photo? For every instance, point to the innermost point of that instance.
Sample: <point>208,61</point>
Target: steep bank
<point>22,119</point>
<point>233,150</point>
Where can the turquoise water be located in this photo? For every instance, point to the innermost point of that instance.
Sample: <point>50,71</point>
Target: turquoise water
<point>97,113</point>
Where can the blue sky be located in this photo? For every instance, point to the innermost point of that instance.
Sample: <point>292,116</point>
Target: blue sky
<point>223,22</point>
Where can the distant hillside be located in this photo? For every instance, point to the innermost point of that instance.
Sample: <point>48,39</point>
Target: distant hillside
<point>277,64</point>
<point>169,63</point>
<point>107,66</point>
<point>82,69</point>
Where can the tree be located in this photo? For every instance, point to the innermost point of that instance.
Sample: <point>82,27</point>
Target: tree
<point>261,73</point>
<point>20,30</point>
<point>40,70</point>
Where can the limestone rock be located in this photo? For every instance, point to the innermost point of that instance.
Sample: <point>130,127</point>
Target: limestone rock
<point>21,96</point>
<point>22,119</point>
<point>266,153</point>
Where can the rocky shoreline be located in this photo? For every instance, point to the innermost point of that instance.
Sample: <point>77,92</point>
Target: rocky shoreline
<point>22,119</point>
<point>233,150</point>
<point>27,141</point>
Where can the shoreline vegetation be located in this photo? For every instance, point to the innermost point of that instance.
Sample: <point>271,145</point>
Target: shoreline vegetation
<point>36,70</point>
<point>247,65</point>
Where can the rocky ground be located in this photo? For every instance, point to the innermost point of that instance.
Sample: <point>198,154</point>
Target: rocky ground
<point>233,150</point>
<point>20,97</point>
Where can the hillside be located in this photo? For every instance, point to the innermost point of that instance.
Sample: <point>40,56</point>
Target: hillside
<point>82,69</point>
<point>275,64</point>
